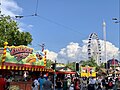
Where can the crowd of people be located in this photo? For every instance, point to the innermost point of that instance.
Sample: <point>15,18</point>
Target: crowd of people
<point>76,83</point>
<point>47,82</point>
<point>107,83</point>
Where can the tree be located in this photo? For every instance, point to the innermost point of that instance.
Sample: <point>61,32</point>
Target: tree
<point>71,65</point>
<point>90,62</point>
<point>9,31</point>
<point>49,63</point>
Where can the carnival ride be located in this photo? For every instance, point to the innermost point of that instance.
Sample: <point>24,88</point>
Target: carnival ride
<point>94,48</point>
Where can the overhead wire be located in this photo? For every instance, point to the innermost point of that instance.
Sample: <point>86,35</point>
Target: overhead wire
<point>49,20</point>
<point>59,24</point>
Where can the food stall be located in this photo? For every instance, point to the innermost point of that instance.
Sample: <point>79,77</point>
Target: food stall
<point>19,62</point>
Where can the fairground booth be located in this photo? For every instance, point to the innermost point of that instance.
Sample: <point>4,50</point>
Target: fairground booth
<point>20,64</point>
<point>63,72</point>
<point>87,71</point>
<point>114,67</point>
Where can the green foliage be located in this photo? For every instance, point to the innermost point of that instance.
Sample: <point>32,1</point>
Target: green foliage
<point>9,31</point>
<point>101,66</point>
<point>48,63</point>
<point>90,62</point>
<point>71,65</point>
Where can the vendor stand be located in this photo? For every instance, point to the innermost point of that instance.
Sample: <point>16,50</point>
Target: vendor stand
<point>20,64</point>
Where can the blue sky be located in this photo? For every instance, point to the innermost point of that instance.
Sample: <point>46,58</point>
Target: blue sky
<point>81,16</point>
<point>60,22</point>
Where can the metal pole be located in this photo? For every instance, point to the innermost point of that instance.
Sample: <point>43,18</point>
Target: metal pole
<point>104,36</point>
<point>119,32</point>
<point>54,76</point>
<point>118,21</point>
<point>114,67</point>
<point>54,81</point>
<point>104,32</point>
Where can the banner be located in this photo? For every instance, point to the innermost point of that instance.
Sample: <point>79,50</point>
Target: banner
<point>23,55</point>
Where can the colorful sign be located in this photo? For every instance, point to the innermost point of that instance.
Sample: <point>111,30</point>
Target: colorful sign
<point>24,55</point>
<point>88,71</point>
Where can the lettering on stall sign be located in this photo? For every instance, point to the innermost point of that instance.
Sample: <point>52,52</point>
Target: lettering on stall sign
<point>20,52</point>
<point>1,52</point>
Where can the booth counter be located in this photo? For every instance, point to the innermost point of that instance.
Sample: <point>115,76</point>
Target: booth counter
<point>21,85</point>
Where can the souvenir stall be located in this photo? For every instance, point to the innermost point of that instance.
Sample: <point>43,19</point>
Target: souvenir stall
<point>20,64</point>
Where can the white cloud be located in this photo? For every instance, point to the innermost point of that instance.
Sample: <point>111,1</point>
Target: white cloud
<point>10,7</point>
<point>75,52</point>
<point>30,26</point>
<point>51,55</point>
<point>24,27</point>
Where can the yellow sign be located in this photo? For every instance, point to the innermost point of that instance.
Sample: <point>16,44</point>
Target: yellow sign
<point>88,72</point>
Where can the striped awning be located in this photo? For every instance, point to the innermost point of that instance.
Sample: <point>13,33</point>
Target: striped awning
<point>12,66</point>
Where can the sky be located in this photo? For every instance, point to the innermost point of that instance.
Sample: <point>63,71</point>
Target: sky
<point>65,25</point>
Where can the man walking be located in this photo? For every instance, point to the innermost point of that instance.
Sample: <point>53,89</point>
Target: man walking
<point>47,85</point>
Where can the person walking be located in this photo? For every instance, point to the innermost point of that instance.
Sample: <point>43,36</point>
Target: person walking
<point>65,84</point>
<point>91,85</point>
<point>35,84</point>
<point>116,84</point>
<point>2,83</point>
<point>47,85</point>
<point>41,80</point>
<point>77,84</point>
<point>59,84</point>
<point>110,84</point>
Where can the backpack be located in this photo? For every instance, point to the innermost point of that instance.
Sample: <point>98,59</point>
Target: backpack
<point>110,83</point>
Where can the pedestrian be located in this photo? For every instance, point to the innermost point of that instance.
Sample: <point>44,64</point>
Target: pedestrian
<point>35,84</point>
<point>91,85</point>
<point>41,80</point>
<point>99,87</point>
<point>77,84</point>
<point>2,83</point>
<point>68,81</point>
<point>110,84</point>
<point>7,82</point>
<point>65,84</point>
<point>71,86</point>
<point>59,84</point>
<point>47,85</point>
<point>103,83</point>
<point>116,84</point>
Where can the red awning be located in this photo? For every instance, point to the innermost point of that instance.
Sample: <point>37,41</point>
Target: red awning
<point>66,72</point>
<point>12,66</point>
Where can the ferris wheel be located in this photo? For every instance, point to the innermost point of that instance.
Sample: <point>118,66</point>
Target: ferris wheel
<point>94,48</point>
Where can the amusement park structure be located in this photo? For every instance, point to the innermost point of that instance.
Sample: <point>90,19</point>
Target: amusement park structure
<point>94,48</point>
